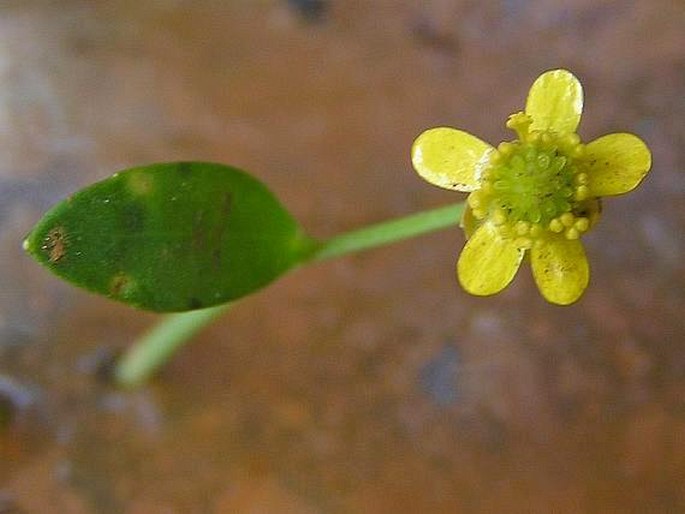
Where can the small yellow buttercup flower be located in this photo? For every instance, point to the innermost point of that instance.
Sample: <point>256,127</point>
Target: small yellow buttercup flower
<point>536,195</point>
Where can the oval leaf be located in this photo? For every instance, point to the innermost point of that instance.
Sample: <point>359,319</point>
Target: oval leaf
<point>171,237</point>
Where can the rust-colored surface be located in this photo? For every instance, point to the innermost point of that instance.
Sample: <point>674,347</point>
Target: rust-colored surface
<point>371,384</point>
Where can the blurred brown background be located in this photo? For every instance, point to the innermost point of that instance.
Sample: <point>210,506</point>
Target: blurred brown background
<point>371,384</point>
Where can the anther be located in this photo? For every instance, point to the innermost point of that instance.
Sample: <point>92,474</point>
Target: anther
<point>474,200</point>
<point>567,219</point>
<point>505,148</point>
<point>581,179</point>
<point>572,233</point>
<point>556,226</point>
<point>498,216</point>
<point>520,122</point>
<point>511,121</point>
<point>582,193</point>
<point>478,213</point>
<point>582,224</point>
<point>572,139</point>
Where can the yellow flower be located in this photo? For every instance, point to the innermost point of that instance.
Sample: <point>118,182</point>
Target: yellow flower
<point>535,195</point>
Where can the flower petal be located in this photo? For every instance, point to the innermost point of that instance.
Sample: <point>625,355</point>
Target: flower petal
<point>555,101</point>
<point>449,158</point>
<point>560,269</point>
<point>617,163</point>
<point>488,262</point>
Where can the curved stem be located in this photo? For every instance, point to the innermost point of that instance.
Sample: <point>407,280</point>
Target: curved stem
<point>151,351</point>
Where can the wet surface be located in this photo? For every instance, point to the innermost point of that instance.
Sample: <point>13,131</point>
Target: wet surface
<point>369,384</point>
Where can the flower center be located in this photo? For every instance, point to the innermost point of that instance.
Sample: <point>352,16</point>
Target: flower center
<point>535,186</point>
<point>531,182</point>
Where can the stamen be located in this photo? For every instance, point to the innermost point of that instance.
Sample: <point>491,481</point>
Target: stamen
<point>505,148</point>
<point>520,123</point>
<point>567,219</point>
<point>479,213</point>
<point>572,233</point>
<point>499,217</point>
<point>556,226</point>
<point>581,179</point>
<point>582,224</point>
<point>534,186</point>
<point>578,151</point>
<point>582,193</point>
<point>475,200</point>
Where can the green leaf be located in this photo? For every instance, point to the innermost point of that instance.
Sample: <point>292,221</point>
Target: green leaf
<point>171,237</point>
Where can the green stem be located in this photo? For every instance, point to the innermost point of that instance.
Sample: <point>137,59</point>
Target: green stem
<point>150,352</point>
<point>388,232</point>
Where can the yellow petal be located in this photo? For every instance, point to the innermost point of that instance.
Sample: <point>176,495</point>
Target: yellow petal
<point>555,101</point>
<point>617,163</point>
<point>560,269</point>
<point>449,158</point>
<point>488,262</point>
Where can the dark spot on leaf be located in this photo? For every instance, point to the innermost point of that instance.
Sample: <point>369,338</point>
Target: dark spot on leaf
<point>200,230</point>
<point>121,285</point>
<point>55,244</point>
<point>208,233</point>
